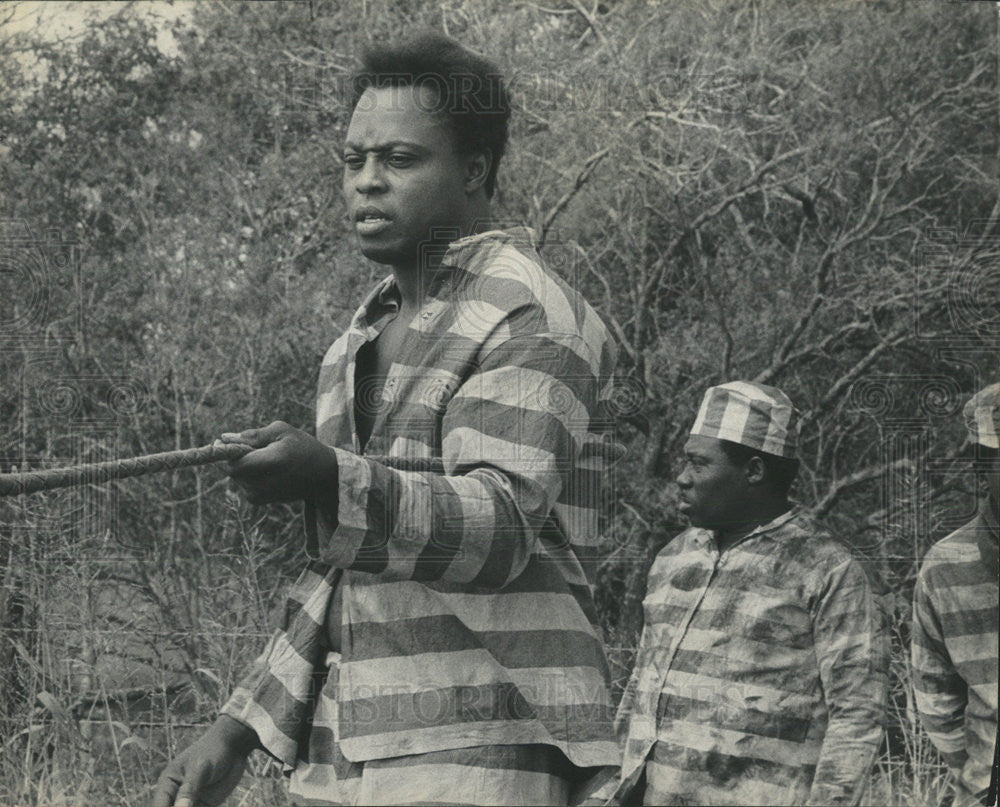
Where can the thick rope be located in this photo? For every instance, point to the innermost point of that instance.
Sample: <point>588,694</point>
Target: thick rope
<point>100,472</point>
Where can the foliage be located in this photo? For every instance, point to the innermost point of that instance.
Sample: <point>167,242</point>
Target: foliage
<point>800,193</point>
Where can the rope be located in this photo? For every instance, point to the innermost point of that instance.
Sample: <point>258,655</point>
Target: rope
<point>101,472</point>
<point>17,484</point>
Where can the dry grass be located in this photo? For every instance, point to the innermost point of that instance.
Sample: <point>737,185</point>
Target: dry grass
<point>119,660</point>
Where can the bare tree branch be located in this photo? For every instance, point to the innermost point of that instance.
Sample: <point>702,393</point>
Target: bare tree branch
<point>591,21</point>
<point>841,486</point>
<point>581,178</point>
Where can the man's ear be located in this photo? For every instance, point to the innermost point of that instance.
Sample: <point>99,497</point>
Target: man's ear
<point>477,169</point>
<point>754,470</point>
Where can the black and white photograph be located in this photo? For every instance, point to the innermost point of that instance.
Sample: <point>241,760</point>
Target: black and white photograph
<point>591,403</point>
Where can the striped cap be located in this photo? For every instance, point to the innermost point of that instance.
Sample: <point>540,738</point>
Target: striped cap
<point>982,417</point>
<point>752,415</point>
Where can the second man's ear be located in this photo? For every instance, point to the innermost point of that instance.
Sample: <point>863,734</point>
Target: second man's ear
<point>477,170</point>
<point>755,470</point>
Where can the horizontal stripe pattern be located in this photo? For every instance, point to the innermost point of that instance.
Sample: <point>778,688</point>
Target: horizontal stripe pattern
<point>467,595</point>
<point>956,619</point>
<point>761,674</point>
<point>522,774</point>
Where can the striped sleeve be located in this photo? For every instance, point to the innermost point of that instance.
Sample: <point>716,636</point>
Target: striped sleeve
<point>275,697</point>
<point>940,693</point>
<point>511,436</point>
<point>852,656</point>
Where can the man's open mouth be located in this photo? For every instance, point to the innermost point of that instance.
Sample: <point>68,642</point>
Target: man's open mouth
<point>370,220</point>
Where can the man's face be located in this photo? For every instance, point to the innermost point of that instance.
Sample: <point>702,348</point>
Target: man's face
<point>403,174</point>
<point>712,488</point>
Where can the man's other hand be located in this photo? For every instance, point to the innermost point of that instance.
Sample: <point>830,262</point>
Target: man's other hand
<point>207,770</point>
<point>287,465</point>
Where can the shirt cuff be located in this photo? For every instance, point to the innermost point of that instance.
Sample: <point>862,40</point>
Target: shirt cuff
<point>336,536</point>
<point>242,708</point>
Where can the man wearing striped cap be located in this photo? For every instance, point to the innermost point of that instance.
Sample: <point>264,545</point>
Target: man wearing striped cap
<point>956,619</point>
<point>761,673</point>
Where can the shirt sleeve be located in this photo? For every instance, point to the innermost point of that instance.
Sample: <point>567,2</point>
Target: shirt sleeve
<point>511,438</point>
<point>940,694</point>
<point>275,696</point>
<point>853,658</point>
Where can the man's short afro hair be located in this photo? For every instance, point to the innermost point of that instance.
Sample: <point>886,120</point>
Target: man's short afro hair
<point>470,89</point>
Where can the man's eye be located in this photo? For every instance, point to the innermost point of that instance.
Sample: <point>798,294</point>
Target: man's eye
<point>400,160</point>
<point>354,161</point>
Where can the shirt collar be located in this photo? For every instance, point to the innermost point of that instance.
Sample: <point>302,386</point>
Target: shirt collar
<point>382,299</point>
<point>387,293</point>
<point>517,236</point>
<point>463,253</point>
<point>703,537</point>
<point>781,520</point>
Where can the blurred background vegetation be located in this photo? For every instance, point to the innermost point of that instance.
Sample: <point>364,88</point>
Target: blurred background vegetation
<point>795,192</point>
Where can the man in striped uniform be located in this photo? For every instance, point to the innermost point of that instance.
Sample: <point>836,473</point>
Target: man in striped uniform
<point>761,673</point>
<point>444,646</point>
<point>956,619</point>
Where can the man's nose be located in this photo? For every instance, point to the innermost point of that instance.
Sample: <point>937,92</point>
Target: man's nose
<point>684,479</point>
<point>371,177</point>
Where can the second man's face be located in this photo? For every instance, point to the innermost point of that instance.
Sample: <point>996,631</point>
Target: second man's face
<point>403,175</point>
<point>712,487</point>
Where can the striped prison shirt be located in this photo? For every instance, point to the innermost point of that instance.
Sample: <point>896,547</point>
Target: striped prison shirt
<point>485,774</point>
<point>468,612</point>
<point>956,618</point>
<point>761,673</point>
